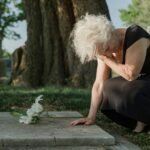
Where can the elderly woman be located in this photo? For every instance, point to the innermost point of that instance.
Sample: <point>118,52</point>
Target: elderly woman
<point>124,99</point>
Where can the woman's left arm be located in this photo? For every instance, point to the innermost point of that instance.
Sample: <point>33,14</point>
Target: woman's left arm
<point>135,57</point>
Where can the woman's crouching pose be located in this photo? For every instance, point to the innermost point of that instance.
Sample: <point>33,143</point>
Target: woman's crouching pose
<point>126,51</point>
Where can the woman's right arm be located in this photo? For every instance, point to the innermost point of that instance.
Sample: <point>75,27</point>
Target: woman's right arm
<point>102,73</point>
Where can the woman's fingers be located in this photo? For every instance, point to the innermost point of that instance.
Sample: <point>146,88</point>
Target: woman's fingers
<point>79,121</point>
<point>85,121</point>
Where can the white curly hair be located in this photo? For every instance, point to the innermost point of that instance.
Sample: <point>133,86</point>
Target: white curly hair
<point>87,32</point>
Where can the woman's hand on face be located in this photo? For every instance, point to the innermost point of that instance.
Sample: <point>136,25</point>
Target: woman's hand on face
<point>83,121</point>
<point>102,57</point>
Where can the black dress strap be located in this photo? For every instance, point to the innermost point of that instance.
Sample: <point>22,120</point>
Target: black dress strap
<point>133,33</point>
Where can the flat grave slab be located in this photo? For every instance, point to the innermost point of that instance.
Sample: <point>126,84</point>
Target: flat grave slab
<point>52,130</point>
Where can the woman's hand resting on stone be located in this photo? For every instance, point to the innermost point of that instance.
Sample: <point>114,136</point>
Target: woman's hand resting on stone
<point>83,121</point>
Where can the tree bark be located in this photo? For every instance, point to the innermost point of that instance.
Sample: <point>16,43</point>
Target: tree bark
<point>50,58</point>
<point>34,44</point>
<point>53,49</point>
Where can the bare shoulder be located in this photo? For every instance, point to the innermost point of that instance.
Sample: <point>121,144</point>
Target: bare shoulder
<point>136,54</point>
<point>138,49</point>
<point>140,45</point>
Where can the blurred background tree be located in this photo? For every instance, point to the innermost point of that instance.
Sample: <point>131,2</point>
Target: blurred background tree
<point>47,58</point>
<point>138,12</point>
<point>11,11</point>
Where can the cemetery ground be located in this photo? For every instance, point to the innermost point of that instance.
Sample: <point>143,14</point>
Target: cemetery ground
<point>56,98</point>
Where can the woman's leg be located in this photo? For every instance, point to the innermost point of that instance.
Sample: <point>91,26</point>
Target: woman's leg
<point>120,119</point>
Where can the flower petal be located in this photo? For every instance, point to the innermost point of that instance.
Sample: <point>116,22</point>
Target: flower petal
<point>39,98</point>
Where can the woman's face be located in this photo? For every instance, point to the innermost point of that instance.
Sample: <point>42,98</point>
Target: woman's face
<point>109,48</point>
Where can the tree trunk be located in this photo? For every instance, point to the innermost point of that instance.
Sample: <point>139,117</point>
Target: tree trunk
<point>50,58</point>
<point>34,45</point>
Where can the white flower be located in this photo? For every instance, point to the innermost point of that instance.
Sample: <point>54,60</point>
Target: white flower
<point>25,119</point>
<point>39,98</point>
<point>33,112</point>
<point>36,107</point>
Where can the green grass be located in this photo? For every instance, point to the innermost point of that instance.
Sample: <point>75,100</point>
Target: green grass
<point>59,97</point>
<point>65,98</point>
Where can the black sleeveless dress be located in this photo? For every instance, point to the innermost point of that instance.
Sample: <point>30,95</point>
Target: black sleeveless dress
<point>127,102</point>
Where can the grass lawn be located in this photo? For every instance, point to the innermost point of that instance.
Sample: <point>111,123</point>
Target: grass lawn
<point>65,98</point>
